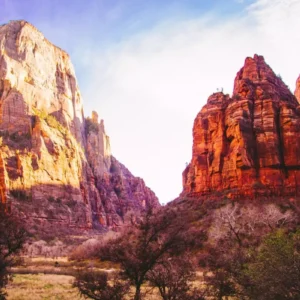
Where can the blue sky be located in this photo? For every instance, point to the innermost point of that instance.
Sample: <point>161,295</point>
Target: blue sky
<point>104,23</point>
<point>148,67</point>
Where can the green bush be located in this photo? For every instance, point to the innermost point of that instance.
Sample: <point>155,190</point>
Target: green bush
<point>275,271</point>
<point>21,195</point>
<point>55,200</point>
<point>51,120</point>
<point>236,97</point>
<point>90,126</point>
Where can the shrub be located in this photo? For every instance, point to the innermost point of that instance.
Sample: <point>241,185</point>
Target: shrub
<point>21,195</point>
<point>173,277</point>
<point>88,249</point>
<point>275,269</point>
<point>71,203</point>
<point>55,200</point>
<point>51,199</point>
<point>90,126</point>
<point>236,97</point>
<point>12,238</point>
<point>96,285</point>
<point>51,121</point>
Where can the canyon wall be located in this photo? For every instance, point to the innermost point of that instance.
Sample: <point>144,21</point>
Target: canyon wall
<point>56,166</point>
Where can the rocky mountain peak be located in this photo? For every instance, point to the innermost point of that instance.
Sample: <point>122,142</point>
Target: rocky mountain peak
<point>257,79</point>
<point>38,76</point>
<point>247,144</point>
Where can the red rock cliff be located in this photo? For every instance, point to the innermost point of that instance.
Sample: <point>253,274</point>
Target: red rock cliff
<point>56,166</point>
<point>247,144</point>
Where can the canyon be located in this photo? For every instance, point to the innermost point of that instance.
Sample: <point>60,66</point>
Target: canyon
<point>56,165</point>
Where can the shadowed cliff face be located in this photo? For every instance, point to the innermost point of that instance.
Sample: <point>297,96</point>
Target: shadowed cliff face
<point>55,165</point>
<point>247,144</point>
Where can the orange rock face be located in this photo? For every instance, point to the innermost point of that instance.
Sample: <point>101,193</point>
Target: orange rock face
<point>56,166</point>
<point>247,144</point>
<point>297,91</point>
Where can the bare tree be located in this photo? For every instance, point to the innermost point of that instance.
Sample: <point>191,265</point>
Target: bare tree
<point>173,278</point>
<point>274,218</point>
<point>139,249</point>
<point>245,223</point>
<point>236,234</point>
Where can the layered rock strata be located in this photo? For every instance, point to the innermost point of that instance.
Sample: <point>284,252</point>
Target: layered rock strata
<point>55,165</point>
<point>247,144</point>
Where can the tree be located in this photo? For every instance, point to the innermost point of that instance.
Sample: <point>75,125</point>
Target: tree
<point>275,269</point>
<point>12,238</point>
<point>95,285</point>
<point>248,224</point>
<point>251,256</point>
<point>223,263</point>
<point>173,278</point>
<point>221,285</point>
<point>157,236</point>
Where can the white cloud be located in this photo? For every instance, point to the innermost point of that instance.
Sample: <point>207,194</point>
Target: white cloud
<point>277,22</point>
<point>150,87</point>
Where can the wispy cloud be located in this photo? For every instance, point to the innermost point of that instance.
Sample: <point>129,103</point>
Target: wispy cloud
<point>149,70</point>
<point>150,87</point>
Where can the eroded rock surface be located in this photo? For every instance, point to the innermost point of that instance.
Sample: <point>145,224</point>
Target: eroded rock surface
<point>297,91</point>
<point>247,144</point>
<point>55,165</point>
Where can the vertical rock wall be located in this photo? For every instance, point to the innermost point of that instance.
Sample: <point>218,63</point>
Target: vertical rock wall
<point>55,165</point>
<point>247,144</point>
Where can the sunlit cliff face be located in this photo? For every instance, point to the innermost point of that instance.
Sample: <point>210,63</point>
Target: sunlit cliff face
<point>247,144</point>
<point>55,165</point>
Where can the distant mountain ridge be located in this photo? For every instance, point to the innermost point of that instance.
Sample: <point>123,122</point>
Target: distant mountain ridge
<point>247,144</point>
<point>56,166</point>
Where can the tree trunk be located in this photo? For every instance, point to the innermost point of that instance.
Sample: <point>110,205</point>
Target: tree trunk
<point>220,296</point>
<point>137,295</point>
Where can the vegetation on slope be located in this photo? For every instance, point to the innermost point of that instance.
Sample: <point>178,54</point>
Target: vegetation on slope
<point>246,250</point>
<point>12,238</point>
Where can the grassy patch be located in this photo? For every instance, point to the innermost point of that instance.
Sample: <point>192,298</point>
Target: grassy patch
<point>58,287</point>
<point>54,123</point>
<point>51,121</point>
<point>41,286</point>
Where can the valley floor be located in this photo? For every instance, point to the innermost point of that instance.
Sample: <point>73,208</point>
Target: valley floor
<point>42,286</point>
<point>43,278</point>
<point>46,287</point>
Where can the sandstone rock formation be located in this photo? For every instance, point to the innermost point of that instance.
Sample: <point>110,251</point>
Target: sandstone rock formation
<point>247,144</point>
<point>297,91</point>
<point>55,165</point>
